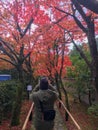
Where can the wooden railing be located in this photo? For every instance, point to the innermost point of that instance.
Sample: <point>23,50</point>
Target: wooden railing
<point>30,111</point>
<point>75,123</point>
<point>28,116</point>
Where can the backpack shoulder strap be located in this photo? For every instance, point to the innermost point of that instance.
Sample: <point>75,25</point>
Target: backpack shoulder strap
<point>41,105</point>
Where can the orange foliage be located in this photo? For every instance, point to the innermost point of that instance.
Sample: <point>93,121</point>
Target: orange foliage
<point>44,55</point>
<point>44,34</point>
<point>4,64</point>
<point>44,65</point>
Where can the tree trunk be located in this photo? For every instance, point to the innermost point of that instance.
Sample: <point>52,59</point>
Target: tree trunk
<point>92,5</point>
<point>89,98</point>
<point>58,89</point>
<point>66,99</point>
<point>93,50</point>
<point>79,97</point>
<point>90,32</point>
<point>96,81</point>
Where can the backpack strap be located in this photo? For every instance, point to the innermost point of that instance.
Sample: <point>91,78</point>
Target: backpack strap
<point>41,105</point>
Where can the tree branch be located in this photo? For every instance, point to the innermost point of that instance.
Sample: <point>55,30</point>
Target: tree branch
<point>8,61</point>
<point>8,47</point>
<point>78,49</point>
<point>82,54</point>
<point>80,24</point>
<point>22,33</point>
<point>63,11</point>
<point>80,10</point>
<point>90,4</point>
<point>27,55</point>
<point>59,20</point>
<point>28,26</point>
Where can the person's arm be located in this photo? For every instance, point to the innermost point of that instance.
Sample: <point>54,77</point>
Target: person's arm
<point>36,88</point>
<point>54,91</point>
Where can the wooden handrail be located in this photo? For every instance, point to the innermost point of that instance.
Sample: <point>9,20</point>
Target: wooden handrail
<point>27,118</point>
<point>76,124</point>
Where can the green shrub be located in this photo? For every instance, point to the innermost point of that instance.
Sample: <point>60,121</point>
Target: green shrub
<point>93,109</point>
<point>7,96</point>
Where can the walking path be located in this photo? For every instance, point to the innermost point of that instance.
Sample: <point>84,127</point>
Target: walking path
<point>59,123</point>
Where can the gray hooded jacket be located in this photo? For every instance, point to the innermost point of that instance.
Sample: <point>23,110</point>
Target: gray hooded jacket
<point>48,97</point>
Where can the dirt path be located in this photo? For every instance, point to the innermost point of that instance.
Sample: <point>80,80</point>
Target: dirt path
<point>59,122</point>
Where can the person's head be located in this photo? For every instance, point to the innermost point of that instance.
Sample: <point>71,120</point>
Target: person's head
<point>44,83</point>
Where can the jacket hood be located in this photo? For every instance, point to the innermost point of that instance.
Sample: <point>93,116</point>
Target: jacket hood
<point>45,95</point>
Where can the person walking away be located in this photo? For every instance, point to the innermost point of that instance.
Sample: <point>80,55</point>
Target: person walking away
<point>44,97</point>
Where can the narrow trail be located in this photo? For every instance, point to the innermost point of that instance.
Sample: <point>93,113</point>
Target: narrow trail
<point>59,123</point>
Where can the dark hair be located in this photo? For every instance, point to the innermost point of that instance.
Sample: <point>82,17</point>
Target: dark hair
<point>44,83</point>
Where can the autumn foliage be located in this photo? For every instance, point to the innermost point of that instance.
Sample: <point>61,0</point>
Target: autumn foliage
<point>43,27</point>
<point>29,23</point>
<point>35,36</point>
